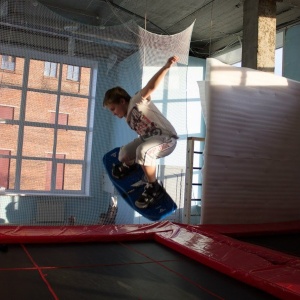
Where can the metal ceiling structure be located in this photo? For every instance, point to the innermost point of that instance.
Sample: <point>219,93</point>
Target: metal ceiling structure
<point>218,23</point>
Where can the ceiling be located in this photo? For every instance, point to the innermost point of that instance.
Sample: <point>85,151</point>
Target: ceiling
<point>218,23</point>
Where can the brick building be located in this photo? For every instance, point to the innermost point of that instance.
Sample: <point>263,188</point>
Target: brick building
<point>44,115</point>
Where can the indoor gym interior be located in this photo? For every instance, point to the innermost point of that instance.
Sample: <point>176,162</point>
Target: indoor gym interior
<point>221,252</point>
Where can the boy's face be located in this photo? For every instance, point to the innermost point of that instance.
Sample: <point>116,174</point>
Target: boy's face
<point>119,110</point>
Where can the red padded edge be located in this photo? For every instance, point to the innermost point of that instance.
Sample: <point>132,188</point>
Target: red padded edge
<point>268,270</point>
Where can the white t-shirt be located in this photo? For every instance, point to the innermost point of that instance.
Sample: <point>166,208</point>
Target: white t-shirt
<point>146,119</point>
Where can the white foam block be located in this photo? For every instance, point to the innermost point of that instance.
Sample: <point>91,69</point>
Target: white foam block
<point>252,151</point>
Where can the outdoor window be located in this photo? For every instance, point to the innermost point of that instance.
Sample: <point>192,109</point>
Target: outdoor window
<point>8,62</point>
<point>49,129</point>
<point>6,112</point>
<point>73,73</point>
<point>50,69</point>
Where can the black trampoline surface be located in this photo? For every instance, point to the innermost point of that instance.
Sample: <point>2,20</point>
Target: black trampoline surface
<point>131,270</point>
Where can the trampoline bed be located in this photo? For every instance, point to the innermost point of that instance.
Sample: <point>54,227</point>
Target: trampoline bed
<point>158,261</point>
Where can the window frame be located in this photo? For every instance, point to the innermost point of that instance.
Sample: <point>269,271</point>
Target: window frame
<point>8,65</point>
<point>73,74</point>
<point>50,69</point>
<point>28,54</point>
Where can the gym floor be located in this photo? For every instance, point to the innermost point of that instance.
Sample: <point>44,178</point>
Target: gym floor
<point>112,270</point>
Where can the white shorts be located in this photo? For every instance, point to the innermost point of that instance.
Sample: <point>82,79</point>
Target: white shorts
<point>146,152</point>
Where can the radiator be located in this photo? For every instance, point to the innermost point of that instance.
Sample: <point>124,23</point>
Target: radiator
<point>50,211</point>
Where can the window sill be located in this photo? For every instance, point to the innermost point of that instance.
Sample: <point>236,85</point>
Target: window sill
<point>29,194</point>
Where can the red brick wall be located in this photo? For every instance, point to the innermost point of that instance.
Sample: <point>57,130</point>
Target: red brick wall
<point>38,141</point>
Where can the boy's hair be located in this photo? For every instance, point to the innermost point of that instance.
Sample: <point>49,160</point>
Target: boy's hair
<point>115,95</point>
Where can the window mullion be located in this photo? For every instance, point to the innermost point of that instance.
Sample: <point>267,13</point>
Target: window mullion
<point>21,124</point>
<point>90,122</point>
<point>54,164</point>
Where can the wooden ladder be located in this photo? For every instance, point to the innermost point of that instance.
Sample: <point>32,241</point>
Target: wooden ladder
<point>189,175</point>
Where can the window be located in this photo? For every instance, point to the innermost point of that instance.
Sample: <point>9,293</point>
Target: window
<point>73,73</point>
<point>50,69</point>
<point>4,169</point>
<point>50,129</point>
<point>8,62</point>
<point>6,112</point>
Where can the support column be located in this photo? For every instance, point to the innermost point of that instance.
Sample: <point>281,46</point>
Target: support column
<point>259,35</point>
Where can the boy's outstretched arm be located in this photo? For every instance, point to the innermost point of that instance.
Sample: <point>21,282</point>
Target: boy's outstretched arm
<point>157,78</point>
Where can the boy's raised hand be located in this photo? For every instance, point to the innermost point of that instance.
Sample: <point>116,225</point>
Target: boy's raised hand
<point>172,60</point>
<point>157,78</point>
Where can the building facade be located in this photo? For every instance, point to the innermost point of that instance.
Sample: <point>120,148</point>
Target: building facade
<point>44,123</point>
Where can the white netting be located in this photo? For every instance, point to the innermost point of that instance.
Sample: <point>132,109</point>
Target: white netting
<point>53,129</point>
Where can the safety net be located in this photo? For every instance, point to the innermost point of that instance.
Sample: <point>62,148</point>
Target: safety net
<point>54,130</point>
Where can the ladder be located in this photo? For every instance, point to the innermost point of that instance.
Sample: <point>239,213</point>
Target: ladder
<point>190,170</point>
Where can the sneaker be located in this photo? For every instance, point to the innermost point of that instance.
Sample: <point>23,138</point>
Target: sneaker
<point>152,193</point>
<point>121,170</point>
